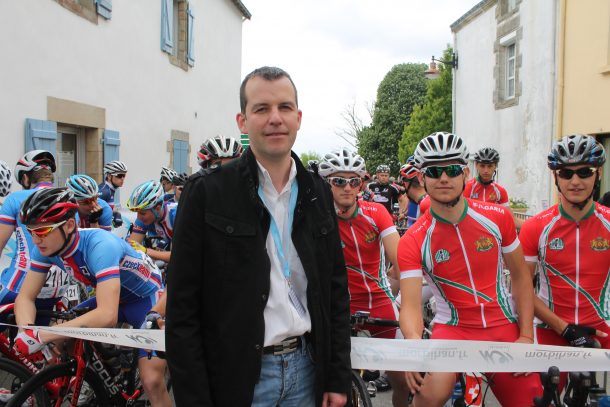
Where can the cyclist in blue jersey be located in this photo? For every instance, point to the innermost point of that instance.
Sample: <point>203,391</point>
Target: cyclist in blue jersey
<point>33,171</point>
<point>5,179</point>
<point>166,180</point>
<point>114,174</point>
<point>93,211</point>
<point>126,281</point>
<point>155,218</point>
<point>419,202</point>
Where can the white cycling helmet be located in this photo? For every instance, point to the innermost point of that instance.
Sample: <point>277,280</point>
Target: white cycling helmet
<point>114,167</point>
<point>147,195</point>
<point>576,149</point>
<point>342,160</point>
<point>5,179</point>
<point>168,174</point>
<point>218,147</point>
<point>32,161</point>
<point>83,186</point>
<point>440,147</point>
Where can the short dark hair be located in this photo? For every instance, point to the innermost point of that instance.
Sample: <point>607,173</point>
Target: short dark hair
<point>40,175</point>
<point>268,73</point>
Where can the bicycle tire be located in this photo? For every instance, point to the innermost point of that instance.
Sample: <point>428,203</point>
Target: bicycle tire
<point>359,395</point>
<point>13,376</point>
<point>100,397</point>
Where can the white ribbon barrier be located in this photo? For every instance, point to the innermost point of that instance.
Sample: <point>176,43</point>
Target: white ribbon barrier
<point>472,356</point>
<point>429,355</point>
<point>153,339</point>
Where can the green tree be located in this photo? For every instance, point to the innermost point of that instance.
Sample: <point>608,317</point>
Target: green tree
<point>310,155</point>
<point>434,114</point>
<point>403,87</point>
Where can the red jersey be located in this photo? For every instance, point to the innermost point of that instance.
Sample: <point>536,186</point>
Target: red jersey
<point>463,264</point>
<point>424,205</point>
<point>492,192</point>
<point>574,259</point>
<point>361,241</point>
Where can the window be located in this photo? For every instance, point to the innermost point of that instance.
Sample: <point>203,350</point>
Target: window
<point>510,71</point>
<point>71,155</point>
<point>177,32</point>
<point>179,149</point>
<point>89,9</point>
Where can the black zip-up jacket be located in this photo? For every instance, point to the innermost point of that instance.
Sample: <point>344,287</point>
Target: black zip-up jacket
<point>218,285</point>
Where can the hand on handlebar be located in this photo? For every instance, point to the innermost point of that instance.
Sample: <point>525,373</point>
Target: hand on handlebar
<point>582,335</point>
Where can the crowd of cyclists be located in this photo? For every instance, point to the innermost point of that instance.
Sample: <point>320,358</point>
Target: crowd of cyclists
<point>459,237</point>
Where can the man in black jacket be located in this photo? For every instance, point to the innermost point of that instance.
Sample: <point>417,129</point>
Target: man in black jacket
<point>258,306</point>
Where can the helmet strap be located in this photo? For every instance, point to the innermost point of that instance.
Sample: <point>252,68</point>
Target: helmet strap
<point>67,240</point>
<point>341,211</point>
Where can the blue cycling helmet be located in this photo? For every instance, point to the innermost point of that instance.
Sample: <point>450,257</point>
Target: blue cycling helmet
<point>83,186</point>
<point>147,195</point>
<point>576,149</point>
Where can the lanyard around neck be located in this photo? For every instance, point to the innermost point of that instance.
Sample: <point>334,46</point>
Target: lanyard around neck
<point>273,227</point>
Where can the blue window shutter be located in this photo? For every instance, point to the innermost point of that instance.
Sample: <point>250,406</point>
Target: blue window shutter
<point>181,155</point>
<point>41,135</point>
<point>111,143</point>
<point>167,25</point>
<point>190,50</point>
<point>104,8</point>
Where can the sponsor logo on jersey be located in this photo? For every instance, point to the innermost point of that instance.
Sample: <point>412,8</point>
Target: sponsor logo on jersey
<point>484,244</point>
<point>556,244</point>
<point>441,256</point>
<point>492,196</point>
<point>370,236</point>
<point>475,195</point>
<point>600,244</point>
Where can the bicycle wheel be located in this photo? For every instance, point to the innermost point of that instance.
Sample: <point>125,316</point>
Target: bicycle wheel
<point>58,384</point>
<point>12,378</point>
<point>359,395</point>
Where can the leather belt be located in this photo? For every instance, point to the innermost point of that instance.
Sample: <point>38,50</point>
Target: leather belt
<point>288,345</point>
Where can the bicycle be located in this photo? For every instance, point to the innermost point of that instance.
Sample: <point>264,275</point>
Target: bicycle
<point>582,390</point>
<point>362,392</point>
<point>87,374</point>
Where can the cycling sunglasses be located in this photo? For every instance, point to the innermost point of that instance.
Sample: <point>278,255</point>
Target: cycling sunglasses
<point>452,170</point>
<point>585,172</point>
<point>341,182</point>
<point>43,231</point>
<point>119,175</point>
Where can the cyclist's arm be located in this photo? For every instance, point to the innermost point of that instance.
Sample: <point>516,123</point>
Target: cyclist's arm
<point>105,314</point>
<point>25,307</point>
<point>403,202</point>
<point>5,234</point>
<point>160,305</point>
<point>523,290</point>
<point>410,318</point>
<point>390,245</point>
<point>159,254</point>
<point>138,237</point>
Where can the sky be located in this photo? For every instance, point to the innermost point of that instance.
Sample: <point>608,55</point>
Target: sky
<point>337,52</point>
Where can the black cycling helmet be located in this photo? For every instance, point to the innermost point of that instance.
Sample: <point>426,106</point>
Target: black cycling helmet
<point>180,179</point>
<point>48,205</point>
<point>487,155</point>
<point>576,149</point>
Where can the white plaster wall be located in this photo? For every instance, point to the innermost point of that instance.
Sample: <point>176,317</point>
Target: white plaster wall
<point>118,65</point>
<point>522,133</point>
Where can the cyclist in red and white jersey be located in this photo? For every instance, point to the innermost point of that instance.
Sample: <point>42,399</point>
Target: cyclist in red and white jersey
<point>458,247</point>
<point>365,228</point>
<point>571,244</point>
<point>484,187</point>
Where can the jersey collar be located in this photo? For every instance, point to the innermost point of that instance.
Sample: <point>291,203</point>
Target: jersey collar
<point>441,219</point>
<point>109,185</point>
<point>568,217</point>
<point>71,249</point>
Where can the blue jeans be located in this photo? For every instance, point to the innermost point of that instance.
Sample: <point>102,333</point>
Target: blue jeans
<point>286,380</point>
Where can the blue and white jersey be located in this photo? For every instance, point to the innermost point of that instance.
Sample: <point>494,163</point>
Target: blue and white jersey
<point>105,220</point>
<point>412,213</point>
<point>12,277</point>
<point>107,191</point>
<point>163,227</point>
<point>169,197</point>
<point>96,256</point>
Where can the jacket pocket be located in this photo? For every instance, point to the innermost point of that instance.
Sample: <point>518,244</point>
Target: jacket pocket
<point>323,228</point>
<point>233,243</point>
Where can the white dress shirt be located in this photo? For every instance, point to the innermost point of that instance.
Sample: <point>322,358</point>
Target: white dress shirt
<point>282,320</point>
